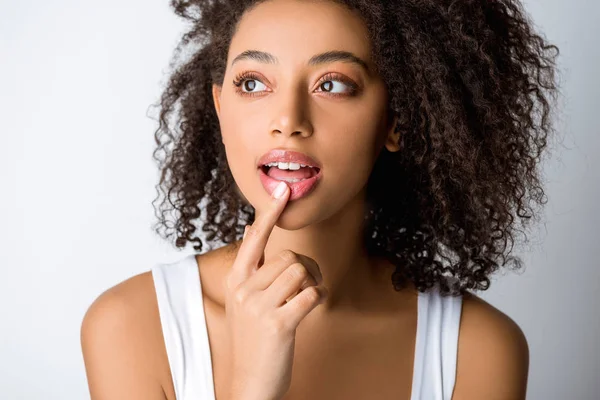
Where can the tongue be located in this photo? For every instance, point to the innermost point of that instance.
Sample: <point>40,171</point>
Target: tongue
<point>302,173</point>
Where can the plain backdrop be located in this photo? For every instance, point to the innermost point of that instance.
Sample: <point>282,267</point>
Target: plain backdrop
<point>77,181</point>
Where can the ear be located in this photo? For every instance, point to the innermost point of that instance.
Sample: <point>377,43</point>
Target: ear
<point>392,142</point>
<point>216,93</point>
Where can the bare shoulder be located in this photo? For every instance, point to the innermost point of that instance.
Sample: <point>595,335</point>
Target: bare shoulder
<point>121,342</point>
<point>493,354</point>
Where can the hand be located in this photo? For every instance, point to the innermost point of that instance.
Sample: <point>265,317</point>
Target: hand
<point>264,306</point>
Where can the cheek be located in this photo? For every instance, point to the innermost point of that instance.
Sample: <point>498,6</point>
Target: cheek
<point>357,146</point>
<point>348,163</point>
<point>353,165</point>
<point>244,140</point>
<point>238,146</point>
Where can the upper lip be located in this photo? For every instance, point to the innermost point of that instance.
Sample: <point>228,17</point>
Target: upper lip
<point>287,156</point>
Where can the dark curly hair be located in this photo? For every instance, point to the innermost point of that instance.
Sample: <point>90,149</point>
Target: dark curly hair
<point>473,86</point>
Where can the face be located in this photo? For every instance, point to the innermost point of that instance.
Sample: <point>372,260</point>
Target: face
<point>334,111</point>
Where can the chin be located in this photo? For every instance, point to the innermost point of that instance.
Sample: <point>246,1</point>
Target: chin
<point>293,218</point>
<point>296,214</point>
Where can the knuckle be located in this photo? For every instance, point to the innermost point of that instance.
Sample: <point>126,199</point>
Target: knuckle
<point>312,294</point>
<point>298,271</point>
<point>289,256</point>
<point>315,268</point>
<point>240,295</point>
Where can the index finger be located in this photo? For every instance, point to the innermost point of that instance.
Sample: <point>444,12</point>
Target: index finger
<point>257,235</point>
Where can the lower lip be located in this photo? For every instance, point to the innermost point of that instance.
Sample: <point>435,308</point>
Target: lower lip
<point>299,189</point>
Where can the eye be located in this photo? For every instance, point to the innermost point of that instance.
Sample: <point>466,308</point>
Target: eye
<point>330,86</point>
<point>247,81</point>
<point>253,86</point>
<point>246,84</point>
<point>328,80</point>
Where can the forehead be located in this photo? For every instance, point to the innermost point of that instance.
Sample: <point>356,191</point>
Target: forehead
<point>295,30</point>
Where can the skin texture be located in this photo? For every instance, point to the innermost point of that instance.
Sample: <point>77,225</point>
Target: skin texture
<point>125,357</point>
<point>469,84</point>
<point>121,338</point>
<point>292,110</point>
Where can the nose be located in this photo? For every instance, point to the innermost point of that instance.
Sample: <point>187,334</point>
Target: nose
<point>291,116</point>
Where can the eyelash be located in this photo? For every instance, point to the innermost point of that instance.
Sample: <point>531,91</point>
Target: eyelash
<point>244,76</point>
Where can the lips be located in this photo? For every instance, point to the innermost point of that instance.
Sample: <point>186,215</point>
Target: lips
<point>287,156</point>
<point>290,175</point>
<point>301,181</point>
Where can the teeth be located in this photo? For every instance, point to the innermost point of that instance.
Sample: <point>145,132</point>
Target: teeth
<point>291,166</point>
<point>293,180</point>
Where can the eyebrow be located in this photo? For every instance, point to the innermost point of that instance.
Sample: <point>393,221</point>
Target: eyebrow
<point>317,59</point>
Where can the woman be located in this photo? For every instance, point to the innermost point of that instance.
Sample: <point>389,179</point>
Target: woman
<point>408,135</point>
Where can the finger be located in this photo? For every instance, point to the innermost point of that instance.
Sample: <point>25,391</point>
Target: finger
<point>293,280</point>
<point>268,273</point>
<point>295,310</point>
<point>257,236</point>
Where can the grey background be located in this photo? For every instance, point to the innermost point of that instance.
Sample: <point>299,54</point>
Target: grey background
<point>76,79</point>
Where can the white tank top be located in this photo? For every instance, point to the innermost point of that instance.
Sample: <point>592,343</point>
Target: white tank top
<point>181,309</point>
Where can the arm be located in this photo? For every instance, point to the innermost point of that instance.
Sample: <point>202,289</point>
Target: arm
<point>117,360</point>
<point>493,355</point>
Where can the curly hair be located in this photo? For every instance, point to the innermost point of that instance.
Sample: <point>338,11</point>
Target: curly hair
<point>473,86</point>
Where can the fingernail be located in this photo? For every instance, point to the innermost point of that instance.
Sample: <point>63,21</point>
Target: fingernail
<point>245,231</point>
<point>279,190</point>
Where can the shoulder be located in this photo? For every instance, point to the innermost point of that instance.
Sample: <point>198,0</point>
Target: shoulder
<point>493,354</point>
<point>125,305</point>
<point>121,338</point>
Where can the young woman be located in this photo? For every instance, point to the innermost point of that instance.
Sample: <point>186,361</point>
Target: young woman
<point>408,136</point>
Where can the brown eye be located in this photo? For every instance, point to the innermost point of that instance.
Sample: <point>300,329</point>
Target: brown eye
<point>246,83</point>
<point>338,85</point>
<point>327,86</point>
<point>249,85</point>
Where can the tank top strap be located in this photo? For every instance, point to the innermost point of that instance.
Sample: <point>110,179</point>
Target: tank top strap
<point>180,305</point>
<point>436,347</point>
